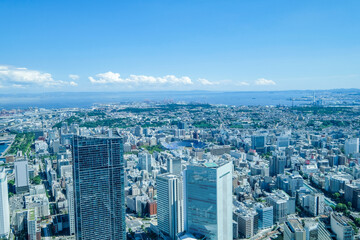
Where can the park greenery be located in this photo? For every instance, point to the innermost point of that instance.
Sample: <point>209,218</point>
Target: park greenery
<point>22,142</point>
<point>203,124</point>
<point>152,149</point>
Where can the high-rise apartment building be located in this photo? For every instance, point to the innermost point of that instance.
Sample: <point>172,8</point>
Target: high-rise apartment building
<point>4,205</point>
<point>170,204</point>
<point>98,170</point>
<point>208,200</point>
<point>71,206</point>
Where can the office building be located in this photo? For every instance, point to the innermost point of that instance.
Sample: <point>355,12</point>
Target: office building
<point>4,205</point>
<point>247,223</point>
<point>293,230</point>
<point>283,141</point>
<point>170,205</point>
<point>341,227</point>
<point>277,164</point>
<point>21,176</point>
<point>316,204</point>
<point>265,216</point>
<point>208,200</point>
<point>351,146</point>
<point>258,143</point>
<point>282,204</point>
<point>99,187</point>
<point>174,165</point>
<point>145,161</point>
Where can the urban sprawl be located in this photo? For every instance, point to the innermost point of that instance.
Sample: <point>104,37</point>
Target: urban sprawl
<point>180,171</point>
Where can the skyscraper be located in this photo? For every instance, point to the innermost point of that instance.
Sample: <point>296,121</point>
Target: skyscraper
<point>99,187</point>
<point>208,200</point>
<point>4,205</point>
<point>71,210</point>
<point>145,161</point>
<point>170,204</point>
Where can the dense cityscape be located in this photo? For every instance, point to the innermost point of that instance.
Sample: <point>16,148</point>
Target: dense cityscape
<point>179,120</point>
<point>153,170</point>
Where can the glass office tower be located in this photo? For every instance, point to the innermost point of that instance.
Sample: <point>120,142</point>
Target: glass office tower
<point>208,200</point>
<point>99,187</point>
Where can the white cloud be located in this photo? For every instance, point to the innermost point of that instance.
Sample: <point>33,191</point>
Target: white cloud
<point>74,76</point>
<point>72,83</point>
<point>263,82</point>
<point>110,77</point>
<point>17,77</point>
<point>242,84</point>
<point>204,81</point>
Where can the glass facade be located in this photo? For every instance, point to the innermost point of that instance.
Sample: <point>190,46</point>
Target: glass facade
<point>99,188</point>
<point>208,201</point>
<point>265,217</point>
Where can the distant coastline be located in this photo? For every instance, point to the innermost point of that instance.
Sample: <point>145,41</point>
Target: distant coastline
<point>252,98</point>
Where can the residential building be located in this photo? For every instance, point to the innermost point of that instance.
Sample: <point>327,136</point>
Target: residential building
<point>99,187</point>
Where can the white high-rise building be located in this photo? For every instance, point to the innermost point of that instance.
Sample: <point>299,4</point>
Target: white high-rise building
<point>208,200</point>
<point>71,206</point>
<point>352,146</point>
<point>316,204</point>
<point>170,205</point>
<point>21,169</point>
<point>4,205</point>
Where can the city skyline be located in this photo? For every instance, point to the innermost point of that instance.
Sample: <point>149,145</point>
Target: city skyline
<point>137,46</point>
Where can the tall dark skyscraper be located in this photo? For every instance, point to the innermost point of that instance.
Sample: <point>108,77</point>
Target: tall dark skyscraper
<point>99,187</point>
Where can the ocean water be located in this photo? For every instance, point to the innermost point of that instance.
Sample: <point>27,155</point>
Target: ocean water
<point>3,148</point>
<point>84,100</point>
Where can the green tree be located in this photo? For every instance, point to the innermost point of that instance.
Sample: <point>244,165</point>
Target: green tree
<point>340,207</point>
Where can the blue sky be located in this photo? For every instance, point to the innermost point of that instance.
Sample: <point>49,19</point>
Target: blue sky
<point>178,45</point>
